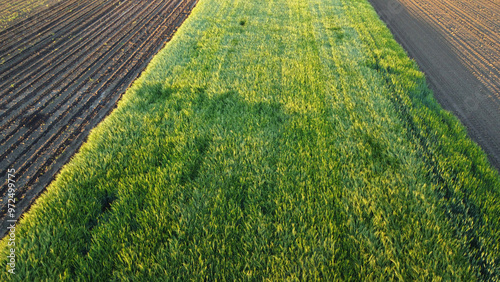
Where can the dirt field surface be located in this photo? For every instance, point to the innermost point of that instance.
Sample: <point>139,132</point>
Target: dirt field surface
<point>62,71</point>
<point>457,44</point>
<point>13,11</point>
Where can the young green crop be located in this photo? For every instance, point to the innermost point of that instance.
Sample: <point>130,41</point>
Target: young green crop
<point>302,144</point>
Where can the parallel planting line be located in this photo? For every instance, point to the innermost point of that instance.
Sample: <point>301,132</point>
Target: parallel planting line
<point>43,34</point>
<point>58,105</point>
<point>12,12</point>
<point>463,41</point>
<point>456,204</point>
<point>65,86</point>
<point>86,51</point>
<point>93,104</point>
<point>42,18</point>
<point>68,103</point>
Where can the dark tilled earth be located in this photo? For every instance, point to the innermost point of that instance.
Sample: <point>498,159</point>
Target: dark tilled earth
<point>62,70</point>
<point>457,44</point>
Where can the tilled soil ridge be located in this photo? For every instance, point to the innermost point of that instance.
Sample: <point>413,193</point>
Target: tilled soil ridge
<point>457,45</point>
<point>62,71</point>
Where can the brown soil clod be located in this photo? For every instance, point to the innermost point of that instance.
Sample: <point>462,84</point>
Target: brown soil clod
<point>34,120</point>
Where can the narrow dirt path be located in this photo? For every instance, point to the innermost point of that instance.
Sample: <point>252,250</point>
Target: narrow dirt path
<point>62,71</point>
<point>457,45</point>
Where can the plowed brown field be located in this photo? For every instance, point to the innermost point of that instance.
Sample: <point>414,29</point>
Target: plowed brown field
<point>62,70</point>
<point>457,45</point>
<point>13,11</point>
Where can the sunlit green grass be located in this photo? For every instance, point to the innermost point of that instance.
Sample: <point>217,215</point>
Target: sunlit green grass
<point>280,140</point>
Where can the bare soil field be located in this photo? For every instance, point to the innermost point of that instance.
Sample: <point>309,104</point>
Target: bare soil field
<point>62,70</point>
<point>457,44</point>
<point>13,11</point>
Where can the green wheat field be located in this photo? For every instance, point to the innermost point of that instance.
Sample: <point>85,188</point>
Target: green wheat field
<point>280,140</point>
